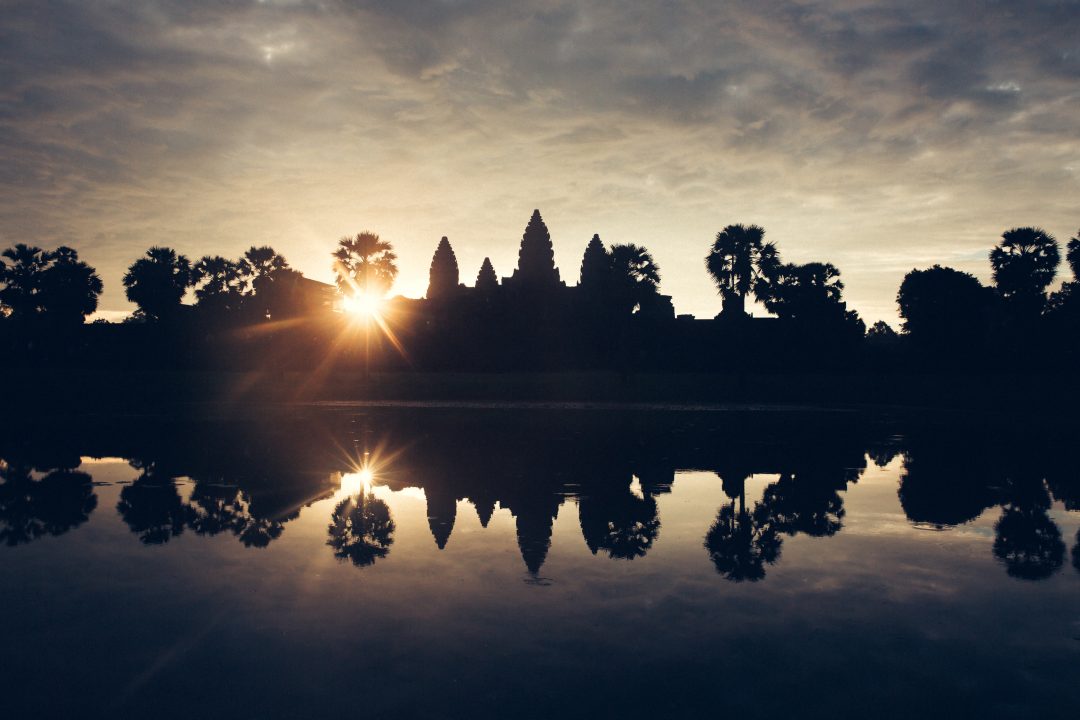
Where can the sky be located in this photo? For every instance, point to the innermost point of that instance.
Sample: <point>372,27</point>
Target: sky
<point>878,136</point>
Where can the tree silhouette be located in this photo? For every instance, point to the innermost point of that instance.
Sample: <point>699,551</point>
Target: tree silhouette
<point>219,284</point>
<point>804,503</point>
<point>361,529</point>
<point>54,286</point>
<point>634,276</point>
<point>1028,542</point>
<point>939,487</point>
<point>1026,539</point>
<point>741,262</point>
<point>364,264</point>
<point>33,508</point>
<point>68,288</point>
<point>486,280</point>
<point>881,334</point>
<point>21,279</point>
<point>618,522</point>
<point>152,507</point>
<point>810,296</point>
<point>270,286</point>
<point>443,275</point>
<point>1063,306</point>
<point>741,543</point>
<point>216,508</point>
<point>157,283</point>
<point>942,306</point>
<point>1024,265</point>
<point>595,268</point>
<point>536,256</point>
<point>261,264</point>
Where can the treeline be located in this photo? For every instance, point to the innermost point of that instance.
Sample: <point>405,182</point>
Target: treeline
<point>257,311</point>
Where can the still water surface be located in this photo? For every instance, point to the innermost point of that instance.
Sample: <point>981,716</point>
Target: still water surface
<point>545,563</point>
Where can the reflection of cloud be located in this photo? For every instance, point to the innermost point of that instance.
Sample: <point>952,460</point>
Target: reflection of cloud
<point>849,131</point>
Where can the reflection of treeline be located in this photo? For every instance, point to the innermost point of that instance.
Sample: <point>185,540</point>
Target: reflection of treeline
<point>250,480</point>
<point>256,311</point>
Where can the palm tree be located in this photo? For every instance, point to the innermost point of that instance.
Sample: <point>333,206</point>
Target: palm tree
<point>1025,263</point>
<point>634,275</point>
<point>364,264</point>
<point>269,283</point>
<point>219,282</point>
<point>798,290</point>
<point>68,288</point>
<point>21,279</point>
<point>157,282</point>
<point>261,262</point>
<point>741,262</point>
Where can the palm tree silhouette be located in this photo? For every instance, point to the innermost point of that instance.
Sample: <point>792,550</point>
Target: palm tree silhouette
<point>217,507</point>
<point>741,543</point>
<point>801,291</point>
<point>20,279</point>
<point>1026,540</point>
<point>1024,264</point>
<point>364,264</point>
<point>69,288</point>
<point>219,283</point>
<point>618,522</point>
<point>634,275</point>
<point>741,262</point>
<point>157,282</point>
<point>152,507</point>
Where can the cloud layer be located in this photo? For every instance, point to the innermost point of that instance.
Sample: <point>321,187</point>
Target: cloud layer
<point>879,136</point>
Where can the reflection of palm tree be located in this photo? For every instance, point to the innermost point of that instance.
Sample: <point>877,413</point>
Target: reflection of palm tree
<point>741,543</point>
<point>361,529</point>
<point>1029,543</point>
<point>1026,540</point>
<point>804,504</point>
<point>151,506</point>
<point>622,524</point>
<point>30,509</point>
<point>220,508</point>
<point>741,262</point>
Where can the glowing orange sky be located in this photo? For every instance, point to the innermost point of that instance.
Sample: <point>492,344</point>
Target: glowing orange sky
<point>879,137</point>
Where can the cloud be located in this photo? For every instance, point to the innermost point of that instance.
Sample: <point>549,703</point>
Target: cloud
<point>878,136</point>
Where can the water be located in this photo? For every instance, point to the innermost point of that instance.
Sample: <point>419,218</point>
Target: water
<point>549,562</point>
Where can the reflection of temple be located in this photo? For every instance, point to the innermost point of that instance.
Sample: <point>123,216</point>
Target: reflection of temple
<point>250,479</point>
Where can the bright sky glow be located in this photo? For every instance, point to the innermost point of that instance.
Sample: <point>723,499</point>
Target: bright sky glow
<point>879,137</point>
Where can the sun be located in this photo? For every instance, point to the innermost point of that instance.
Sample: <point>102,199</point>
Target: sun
<point>362,305</point>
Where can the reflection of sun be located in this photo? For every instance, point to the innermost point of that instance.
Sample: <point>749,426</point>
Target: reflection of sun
<point>358,482</point>
<point>362,304</point>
